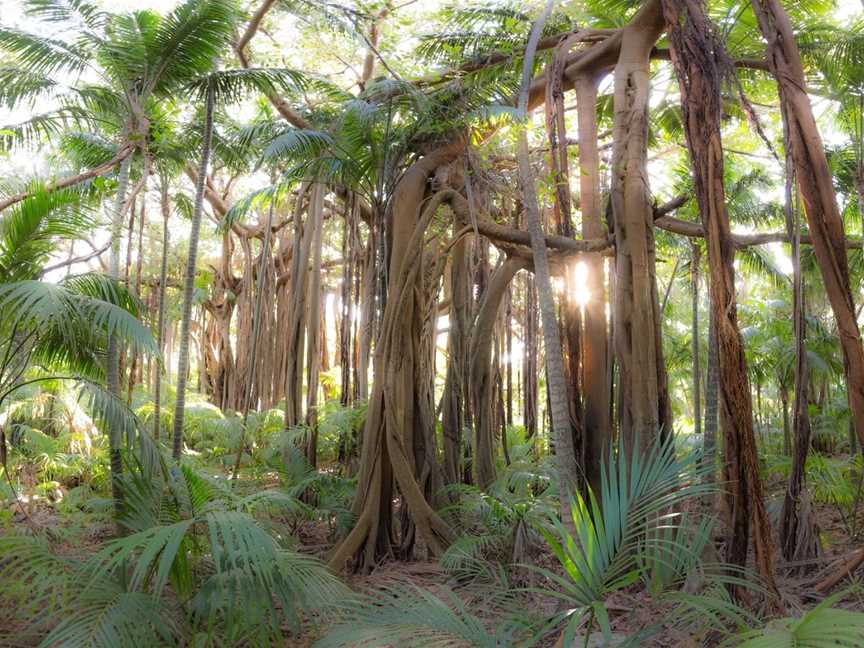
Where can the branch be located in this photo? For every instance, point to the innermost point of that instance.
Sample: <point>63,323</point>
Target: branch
<point>125,151</point>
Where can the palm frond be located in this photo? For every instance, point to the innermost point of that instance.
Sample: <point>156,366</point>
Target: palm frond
<point>24,87</point>
<point>189,40</point>
<point>412,617</point>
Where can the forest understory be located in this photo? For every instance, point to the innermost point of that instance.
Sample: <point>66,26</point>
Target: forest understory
<point>431,323</point>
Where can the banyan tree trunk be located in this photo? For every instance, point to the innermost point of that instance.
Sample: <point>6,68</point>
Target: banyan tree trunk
<point>388,435</point>
<point>481,371</point>
<point>643,405</point>
<point>595,346</point>
<point>817,192</point>
<point>796,535</point>
<point>304,235</point>
<point>453,405</point>
<point>313,329</point>
<point>700,63</point>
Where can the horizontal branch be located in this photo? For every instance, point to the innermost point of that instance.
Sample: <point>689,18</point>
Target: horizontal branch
<point>71,181</point>
<point>695,230</point>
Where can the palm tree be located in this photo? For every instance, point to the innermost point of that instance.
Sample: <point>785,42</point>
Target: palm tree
<point>561,426</point>
<point>65,328</point>
<point>224,86</point>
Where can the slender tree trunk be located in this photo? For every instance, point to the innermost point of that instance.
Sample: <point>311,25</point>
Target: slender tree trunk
<point>315,343</point>
<point>453,405</point>
<point>815,183</point>
<point>112,372</point>
<point>134,368</point>
<point>257,317</point>
<point>482,375</point>
<point>562,431</point>
<point>189,279</point>
<point>160,324</point>
<point>529,361</point>
<point>697,365</point>
<point>792,516</point>
<point>700,62</point>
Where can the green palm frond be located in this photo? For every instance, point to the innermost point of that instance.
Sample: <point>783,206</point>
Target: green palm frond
<point>637,498</point>
<point>413,617</point>
<point>24,87</point>
<point>40,55</point>
<point>188,41</point>
<point>87,150</point>
<point>46,126</point>
<point>822,627</point>
<point>229,86</point>
<point>68,11</point>
<point>30,230</point>
<point>758,261</point>
<point>106,616</point>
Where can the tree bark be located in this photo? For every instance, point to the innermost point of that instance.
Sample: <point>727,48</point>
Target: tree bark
<point>700,63</point>
<point>595,352</point>
<point>189,279</point>
<point>112,373</point>
<point>643,406</point>
<point>481,380</point>
<point>815,184</point>
<point>160,320</point>
<point>562,425</point>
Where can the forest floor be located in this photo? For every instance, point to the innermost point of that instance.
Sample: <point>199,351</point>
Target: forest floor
<point>78,527</point>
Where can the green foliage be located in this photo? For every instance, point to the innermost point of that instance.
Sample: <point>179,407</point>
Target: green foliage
<point>822,627</point>
<point>630,532</point>
<point>412,617</point>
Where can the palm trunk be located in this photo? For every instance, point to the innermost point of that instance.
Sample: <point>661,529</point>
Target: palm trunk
<point>112,372</point>
<point>134,368</point>
<point>189,280</point>
<point>697,365</point>
<point>562,431</point>
<point>160,326</point>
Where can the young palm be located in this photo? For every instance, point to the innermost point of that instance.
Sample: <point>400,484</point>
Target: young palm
<point>60,328</point>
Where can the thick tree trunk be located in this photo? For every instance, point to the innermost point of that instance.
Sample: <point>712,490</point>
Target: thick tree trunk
<point>643,406</point>
<point>595,351</point>
<point>815,184</point>
<point>699,63</point>
<point>189,279</point>
<point>388,436</point>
